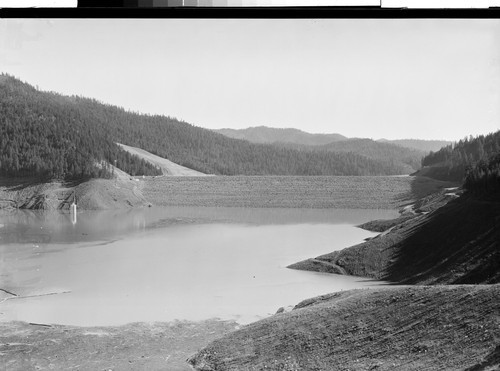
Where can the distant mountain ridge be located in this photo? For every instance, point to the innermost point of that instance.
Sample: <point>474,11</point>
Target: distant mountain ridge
<point>264,134</point>
<point>406,157</point>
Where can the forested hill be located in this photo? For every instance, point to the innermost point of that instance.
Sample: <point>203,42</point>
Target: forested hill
<point>264,134</point>
<point>53,135</point>
<point>420,144</point>
<point>453,161</point>
<point>46,135</point>
<point>407,158</point>
<point>209,152</point>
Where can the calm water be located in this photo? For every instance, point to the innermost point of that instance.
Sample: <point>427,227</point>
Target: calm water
<point>157,264</point>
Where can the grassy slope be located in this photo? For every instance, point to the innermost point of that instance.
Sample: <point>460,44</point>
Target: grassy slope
<point>456,243</point>
<point>404,328</point>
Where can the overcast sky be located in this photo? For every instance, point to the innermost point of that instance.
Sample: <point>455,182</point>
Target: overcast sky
<point>387,78</point>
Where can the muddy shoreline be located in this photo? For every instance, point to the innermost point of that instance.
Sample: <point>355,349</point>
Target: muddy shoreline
<point>135,346</point>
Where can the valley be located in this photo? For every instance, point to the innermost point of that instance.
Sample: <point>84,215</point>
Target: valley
<point>439,260</point>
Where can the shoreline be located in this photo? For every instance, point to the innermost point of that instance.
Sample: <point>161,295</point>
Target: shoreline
<point>104,317</point>
<point>162,344</point>
<point>130,346</point>
<point>145,346</point>
<point>463,227</point>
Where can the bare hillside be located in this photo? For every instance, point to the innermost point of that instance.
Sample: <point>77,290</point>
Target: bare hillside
<point>452,244</point>
<point>403,328</point>
<point>167,167</point>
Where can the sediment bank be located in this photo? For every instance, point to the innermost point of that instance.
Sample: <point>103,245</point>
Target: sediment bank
<point>94,194</point>
<point>398,328</point>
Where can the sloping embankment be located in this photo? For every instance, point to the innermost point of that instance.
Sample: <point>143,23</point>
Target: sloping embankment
<point>95,194</point>
<point>455,243</point>
<point>404,328</point>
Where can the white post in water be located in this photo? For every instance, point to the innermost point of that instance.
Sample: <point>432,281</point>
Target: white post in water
<point>72,209</point>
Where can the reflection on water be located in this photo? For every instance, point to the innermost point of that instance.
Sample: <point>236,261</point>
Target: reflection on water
<point>164,264</point>
<point>27,226</point>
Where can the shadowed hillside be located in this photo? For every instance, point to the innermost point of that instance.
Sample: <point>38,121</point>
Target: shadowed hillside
<point>441,239</point>
<point>458,243</point>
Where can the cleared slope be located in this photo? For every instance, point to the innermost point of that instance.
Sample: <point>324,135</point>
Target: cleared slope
<point>404,328</point>
<point>167,167</point>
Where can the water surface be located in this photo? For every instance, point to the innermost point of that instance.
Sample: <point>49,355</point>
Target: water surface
<point>160,264</point>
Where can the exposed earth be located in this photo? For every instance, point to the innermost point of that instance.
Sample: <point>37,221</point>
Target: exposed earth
<point>137,346</point>
<point>441,239</point>
<point>167,167</point>
<point>399,328</point>
<point>96,194</point>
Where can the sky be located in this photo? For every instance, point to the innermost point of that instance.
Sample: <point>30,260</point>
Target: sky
<point>371,78</point>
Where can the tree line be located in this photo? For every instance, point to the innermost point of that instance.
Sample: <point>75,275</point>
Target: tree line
<point>405,160</point>
<point>454,161</point>
<point>52,135</point>
<point>46,135</point>
<point>484,177</point>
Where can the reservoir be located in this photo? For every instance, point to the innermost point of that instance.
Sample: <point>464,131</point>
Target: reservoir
<point>164,264</point>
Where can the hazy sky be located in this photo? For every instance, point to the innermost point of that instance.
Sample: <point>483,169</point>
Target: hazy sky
<point>387,78</point>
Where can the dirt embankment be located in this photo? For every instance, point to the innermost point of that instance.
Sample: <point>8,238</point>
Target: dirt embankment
<point>348,192</point>
<point>138,346</point>
<point>241,191</point>
<point>437,241</point>
<point>403,328</point>
<point>95,194</point>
